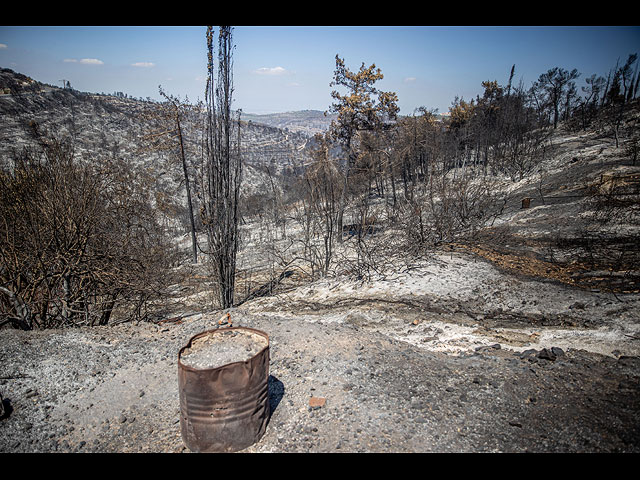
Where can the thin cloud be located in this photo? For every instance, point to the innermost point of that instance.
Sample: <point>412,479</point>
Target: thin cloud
<point>410,79</point>
<point>271,71</point>
<point>84,61</point>
<point>143,64</point>
<point>91,61</point>
<point>3,45</point>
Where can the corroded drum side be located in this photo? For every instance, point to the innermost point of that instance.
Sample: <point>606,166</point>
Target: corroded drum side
<point>224,409</point>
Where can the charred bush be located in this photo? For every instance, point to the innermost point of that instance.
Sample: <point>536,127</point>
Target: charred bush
<point>449,209</point>
<point>80,241</point>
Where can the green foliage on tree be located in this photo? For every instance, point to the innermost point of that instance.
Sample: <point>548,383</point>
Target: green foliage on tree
<point>363,108</point>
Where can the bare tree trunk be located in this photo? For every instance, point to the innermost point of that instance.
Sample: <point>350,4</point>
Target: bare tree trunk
<point>176,116</point>
<point>194,243</point>
<point>223,171</point>
<point>23,312</point>
<point>343,194</point>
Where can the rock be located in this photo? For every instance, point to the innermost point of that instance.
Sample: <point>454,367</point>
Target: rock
<point>30,393</point>
<point>317,402</point>
<point>487,348</point>
<point>546,354</point>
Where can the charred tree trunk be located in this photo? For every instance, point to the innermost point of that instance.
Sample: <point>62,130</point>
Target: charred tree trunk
<point>194,244</point>
<point>222,170</point>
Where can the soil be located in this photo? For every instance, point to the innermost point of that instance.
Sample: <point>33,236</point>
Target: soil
<point>368,370</point>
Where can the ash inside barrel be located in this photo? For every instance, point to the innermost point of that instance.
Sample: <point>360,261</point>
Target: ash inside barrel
<point>222,347</point>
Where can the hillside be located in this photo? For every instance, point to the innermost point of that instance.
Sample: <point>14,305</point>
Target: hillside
<point>521,338</point>
<point>109,125</point>
<point>308,122</point>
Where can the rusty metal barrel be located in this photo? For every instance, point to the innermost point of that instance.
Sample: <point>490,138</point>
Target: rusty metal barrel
<point>224,408</point>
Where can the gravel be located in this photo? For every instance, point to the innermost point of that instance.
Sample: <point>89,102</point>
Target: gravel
<point>335,387</point>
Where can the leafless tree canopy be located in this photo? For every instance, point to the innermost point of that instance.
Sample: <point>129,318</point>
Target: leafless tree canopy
<point>78,240</point>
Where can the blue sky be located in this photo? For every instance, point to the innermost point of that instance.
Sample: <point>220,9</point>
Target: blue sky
<point>279,69</point>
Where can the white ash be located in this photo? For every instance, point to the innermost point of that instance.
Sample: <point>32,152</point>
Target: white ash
<point>222,347</point>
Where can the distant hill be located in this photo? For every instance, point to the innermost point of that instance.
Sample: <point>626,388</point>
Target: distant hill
<point>24,100</point>
<point>105,126</point>
<point>308,122</point>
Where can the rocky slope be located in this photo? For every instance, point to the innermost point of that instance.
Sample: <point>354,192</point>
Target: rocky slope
<point>309,122</point>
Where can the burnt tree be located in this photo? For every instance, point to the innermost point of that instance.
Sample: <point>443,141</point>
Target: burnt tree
<point>222,168</point>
